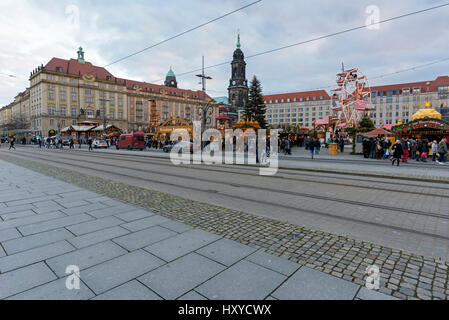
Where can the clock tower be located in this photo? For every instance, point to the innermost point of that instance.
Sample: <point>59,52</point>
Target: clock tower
<point>238,86</point>
<point>170,79</point>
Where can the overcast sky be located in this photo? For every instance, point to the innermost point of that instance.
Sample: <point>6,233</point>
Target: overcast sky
<point>32,32</point>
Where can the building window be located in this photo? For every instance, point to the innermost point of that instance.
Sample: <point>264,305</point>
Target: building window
<point>73,112</point>
<point>51,111</point>
<point>63,112</point>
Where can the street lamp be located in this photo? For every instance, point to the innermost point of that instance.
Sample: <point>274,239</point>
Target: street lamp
<point>103,100</point>
<point>205,106</point>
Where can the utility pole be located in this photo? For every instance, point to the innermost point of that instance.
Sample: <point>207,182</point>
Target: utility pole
<point>205,107</point>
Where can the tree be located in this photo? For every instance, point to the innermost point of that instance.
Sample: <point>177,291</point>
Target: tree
<point>366,122</point>
<point>256,109</point>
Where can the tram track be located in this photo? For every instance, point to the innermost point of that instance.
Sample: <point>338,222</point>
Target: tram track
<point>240,185</point>
<point>241,171</point>
<point>313,212</point>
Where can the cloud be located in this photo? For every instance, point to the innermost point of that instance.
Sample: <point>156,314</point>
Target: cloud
<point>32,32</point>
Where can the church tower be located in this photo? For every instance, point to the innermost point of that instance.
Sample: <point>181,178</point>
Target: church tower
<point>238,87</point>
<point>170,79</point>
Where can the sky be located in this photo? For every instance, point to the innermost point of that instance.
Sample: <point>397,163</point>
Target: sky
<point>34,31</point>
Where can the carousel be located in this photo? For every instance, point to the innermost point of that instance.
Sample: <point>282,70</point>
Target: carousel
<point>165,130</point>
<point>426,123</point>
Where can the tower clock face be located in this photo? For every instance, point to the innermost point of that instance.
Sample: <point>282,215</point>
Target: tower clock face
<point>234,82</point>
<point>172,82</point>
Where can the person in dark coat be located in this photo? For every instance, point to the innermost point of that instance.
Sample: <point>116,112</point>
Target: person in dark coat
<point>398,152</point>
<point>366,148</point>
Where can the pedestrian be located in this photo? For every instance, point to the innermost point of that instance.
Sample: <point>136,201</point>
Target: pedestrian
<point>372,148</point>
<point>379,149</point>
<point>366,148</point>
<point>442,151</point>
<point>89,142</point>
<point>39,141</point>
<point>317,146</point>
<point>72,144</point>
<point>311,147</point>
<point>405,147</point>
<point>341,144</point>
<point>434,150</point>
<point>11,143</point>
<point>397,152</point>
<point>80,142</point>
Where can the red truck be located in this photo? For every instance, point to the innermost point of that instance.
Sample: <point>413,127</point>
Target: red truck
<point>132,141</point>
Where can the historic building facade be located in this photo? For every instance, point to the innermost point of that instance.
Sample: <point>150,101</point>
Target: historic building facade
<point>66,92</point>
<point>238,85</point>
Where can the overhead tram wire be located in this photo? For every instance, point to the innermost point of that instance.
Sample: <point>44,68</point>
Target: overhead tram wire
<point>183,33</point>
<point>319,38</point>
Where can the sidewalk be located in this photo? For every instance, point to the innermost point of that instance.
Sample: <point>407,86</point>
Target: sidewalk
<point>125,252</point>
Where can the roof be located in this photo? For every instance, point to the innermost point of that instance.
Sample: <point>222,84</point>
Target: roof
<point>149,87</point>
<point>298,95</point>
<point>431,86</point>
<point>74,67</point>
<point>223,100</point>
<point>171,73</point>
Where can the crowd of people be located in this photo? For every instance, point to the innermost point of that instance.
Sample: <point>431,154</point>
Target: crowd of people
<point>405,149</point>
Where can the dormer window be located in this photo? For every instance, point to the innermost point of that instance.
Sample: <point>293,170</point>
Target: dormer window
<point>58,69</point>
<point>108,78</point>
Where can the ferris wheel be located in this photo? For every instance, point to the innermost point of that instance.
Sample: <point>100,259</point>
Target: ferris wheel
<point>352,99</point>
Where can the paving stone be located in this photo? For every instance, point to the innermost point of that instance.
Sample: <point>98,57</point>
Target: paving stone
<point>34,241</point>
<point>30,200</point>
<point>71,204</point>
<point>56,290</point>
<point>85,258</point>
<point>94,225</point>
<point>242,281</point>
<point>274,263</point>
<point>110,211</point>
<point>140,239</point>
<point>132,290</point>
<point>30,220</point>
<point>226,251</point>
<point>97,237</point>
<point>309,284</point>
<point>192,296</point>
<point>134,215</point>
<point>8,234</point>
<point>84,209</point>
<point>31,256</point>
<point>23,279</point>
<point>179,277</point>
<point>54,224</point>
<point>176,226</point>
<point>25,207</point>
<point>120,270</point>
<point>145,223</point>
<point>2,252</point>
<point>16,215</point>
<point>367,294</point>
<point>181,244</point>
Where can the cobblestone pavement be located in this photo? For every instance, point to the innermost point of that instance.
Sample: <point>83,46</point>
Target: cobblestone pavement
<point>403,274</point>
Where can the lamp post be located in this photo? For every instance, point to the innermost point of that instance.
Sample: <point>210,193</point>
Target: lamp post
<point>103,100</point>
<point>205,106</point>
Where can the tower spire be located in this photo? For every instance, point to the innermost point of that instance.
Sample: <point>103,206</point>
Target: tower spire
<point>238,40</point>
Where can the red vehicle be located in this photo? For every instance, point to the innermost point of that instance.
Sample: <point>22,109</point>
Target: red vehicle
<point>131,141</point>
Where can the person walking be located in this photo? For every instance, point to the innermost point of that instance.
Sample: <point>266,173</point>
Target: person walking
<point>405,147</point>
<point>434,150</point>
<point>80,142</point>
<point>341,144</point>
<point>311,146</point>
<point>72,144</point>
<point>397,152</point>
<point>39,141</point>
<point>442,151</point>
<point>89,142</point>
<point>317,146</point>
<point>11,143</point>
